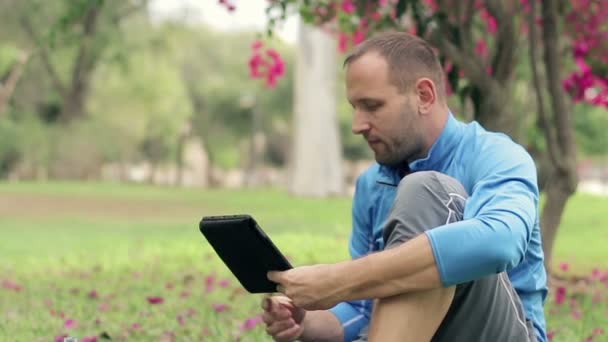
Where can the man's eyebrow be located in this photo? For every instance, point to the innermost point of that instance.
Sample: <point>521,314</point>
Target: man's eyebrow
<point>368,99</point>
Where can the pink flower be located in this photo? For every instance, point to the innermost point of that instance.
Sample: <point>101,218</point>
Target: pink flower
<point>432,4</point>
<point>481,48</point>
<point>219,307</point>
<point>342,42</point>
<point>191,312</point>
<point>564,266</point>
<point>104,307</point>
<point>228,4</point>
<point>181,320</point>
<point>93,294</point>
<point>89,339</point>
<point>270,67</point>
<point>11,285</point>
<point>70,324</point>
<point>169,286</point>
<point>251,323</point>
<point>256,63</point>
<point>136,326</point>
<point>184,294</point>
<point>348,7</point>
<point>577,314</point>
<point>551,335</point>
<point>358,36</point>
<point>224,283</point>
<point>257,45</point>
<point>598,331</point>
<point>560,295</point>
<point>596,274</point>
<point>155,300</point>
<point>60,338</point>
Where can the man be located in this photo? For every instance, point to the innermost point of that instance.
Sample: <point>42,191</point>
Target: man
<point>446,239</point>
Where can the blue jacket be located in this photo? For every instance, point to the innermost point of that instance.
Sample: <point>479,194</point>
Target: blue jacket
<point>500,227</point>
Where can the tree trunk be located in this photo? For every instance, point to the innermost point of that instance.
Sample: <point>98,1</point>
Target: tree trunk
<point>557,195</point>
<point>492,109</point>
<point>557,126</point>
<point>256,148</point>
<point>73,106</point>
<point>316,167</point>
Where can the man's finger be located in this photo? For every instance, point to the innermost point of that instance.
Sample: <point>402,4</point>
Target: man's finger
<point>275,276</point>
<point>267,303</point>
<point>276,314</point>
<point>278,326</point>
<point>289,335</point>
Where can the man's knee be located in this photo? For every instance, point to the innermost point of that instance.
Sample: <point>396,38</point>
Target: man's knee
<point>427,184</point>
<point>424,200</point>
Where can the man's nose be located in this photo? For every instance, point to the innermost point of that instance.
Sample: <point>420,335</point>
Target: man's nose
<point>360,124</point>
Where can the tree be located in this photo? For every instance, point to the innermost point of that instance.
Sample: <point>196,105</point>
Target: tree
<point>85,28</point>
<point>477,41</point>
<point>316,168</point>
<point>557,128</point>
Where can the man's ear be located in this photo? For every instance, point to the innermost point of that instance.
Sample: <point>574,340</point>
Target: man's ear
<point>426,93</point>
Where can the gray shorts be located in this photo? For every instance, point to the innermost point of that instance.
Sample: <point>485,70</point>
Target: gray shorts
<point>487,309</point>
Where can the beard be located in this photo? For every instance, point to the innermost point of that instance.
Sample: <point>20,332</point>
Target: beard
<point>394,154</point>
<point>404,145</point>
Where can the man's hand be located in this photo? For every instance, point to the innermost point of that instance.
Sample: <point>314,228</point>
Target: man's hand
<point>282,318</point>
<point>309,287</point>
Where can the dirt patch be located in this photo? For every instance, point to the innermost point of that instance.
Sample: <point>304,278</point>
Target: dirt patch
<point>41,206</point>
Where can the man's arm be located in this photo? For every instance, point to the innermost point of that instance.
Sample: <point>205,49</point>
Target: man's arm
<point>499,218</point>
<point>498,221</point>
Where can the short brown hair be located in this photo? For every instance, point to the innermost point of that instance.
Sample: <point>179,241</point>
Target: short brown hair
<point>408,57</point>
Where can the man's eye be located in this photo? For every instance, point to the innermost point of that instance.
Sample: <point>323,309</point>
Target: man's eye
<point>371,106</point>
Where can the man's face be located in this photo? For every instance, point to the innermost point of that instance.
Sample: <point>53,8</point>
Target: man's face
<point>386,118</point>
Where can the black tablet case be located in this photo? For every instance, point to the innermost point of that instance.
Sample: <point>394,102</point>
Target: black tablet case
<point>245,249</point>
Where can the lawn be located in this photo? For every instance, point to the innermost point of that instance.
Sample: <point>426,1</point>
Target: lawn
<point>128,262</point>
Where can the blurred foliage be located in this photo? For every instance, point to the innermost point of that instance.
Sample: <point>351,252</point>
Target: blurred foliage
<point>154,83</point>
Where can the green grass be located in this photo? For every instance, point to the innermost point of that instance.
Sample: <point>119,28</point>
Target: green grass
<point>60,241</point>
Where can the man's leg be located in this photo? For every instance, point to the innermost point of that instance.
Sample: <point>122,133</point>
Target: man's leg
<point>483,310</point>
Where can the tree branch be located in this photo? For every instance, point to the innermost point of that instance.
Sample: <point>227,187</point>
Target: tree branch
<point>561,112</point>
<point>129,11</point>
<point>503,60</point>
<point>467,21</point>
<point>538,89</point>
<point>464,59</point>
<point>44,54</point>
<point>85,60</point>
<point>7,89</point>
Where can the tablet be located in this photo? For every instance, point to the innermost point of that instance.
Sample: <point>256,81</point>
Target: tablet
<point>245,249</point>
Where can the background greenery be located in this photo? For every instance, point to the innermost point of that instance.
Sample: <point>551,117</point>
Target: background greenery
<point>60,241</point>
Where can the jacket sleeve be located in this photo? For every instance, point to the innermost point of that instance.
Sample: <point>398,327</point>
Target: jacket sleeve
<point>497,224</point>
<point>354,315</point>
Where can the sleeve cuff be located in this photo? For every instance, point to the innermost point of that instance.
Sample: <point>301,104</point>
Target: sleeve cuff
<point>352,320</point>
